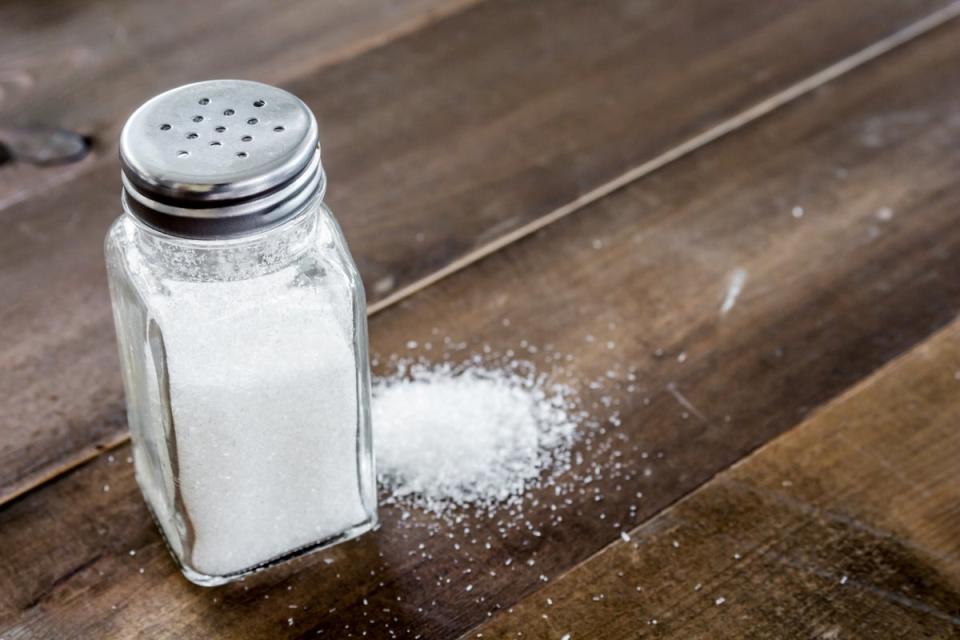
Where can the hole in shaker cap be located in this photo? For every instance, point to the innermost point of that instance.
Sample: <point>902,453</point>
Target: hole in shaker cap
<point>198,118</point>
<point>228,112</point>
<point>278,129</point>
<point>191,136</point>
<point>247,138</point>
<point>182,154</point>
<point>215,143</point>
<point>252,121</point>
<point>241,154</point>
<point>164,127</point>
<point>204,101</point>
<point>220,129</point>
<point>259,103</point>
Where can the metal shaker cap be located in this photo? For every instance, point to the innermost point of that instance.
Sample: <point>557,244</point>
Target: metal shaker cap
<point>219,159</point>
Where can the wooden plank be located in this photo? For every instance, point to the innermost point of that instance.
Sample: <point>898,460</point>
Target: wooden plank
<point>862,275</point>
<point>85,68</point>
<point>845,527</point>
<point>429,162</point>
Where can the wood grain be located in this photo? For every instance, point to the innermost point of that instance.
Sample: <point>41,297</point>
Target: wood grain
<point>428,161</point>
<point>839,211</point>
<point>87,67</point>
<point>845,527</point>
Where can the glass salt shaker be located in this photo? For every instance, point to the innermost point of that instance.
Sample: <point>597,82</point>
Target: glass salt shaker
<point>241,322</point>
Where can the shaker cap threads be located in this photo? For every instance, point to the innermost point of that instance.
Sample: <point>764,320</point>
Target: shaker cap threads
<point>220,158</point>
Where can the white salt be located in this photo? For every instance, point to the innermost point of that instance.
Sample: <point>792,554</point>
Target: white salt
<point>266,417</point>
<point>449,436</point>
<point>885,214</point>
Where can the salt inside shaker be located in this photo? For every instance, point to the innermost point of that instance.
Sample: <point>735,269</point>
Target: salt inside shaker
<point>241,323</point>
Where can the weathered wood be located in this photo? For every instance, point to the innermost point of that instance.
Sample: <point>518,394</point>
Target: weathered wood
<point>428,161</point>
<point>85,68</point>
<point>832,291</point>
<point>845,527</point>
<point>43,146</point>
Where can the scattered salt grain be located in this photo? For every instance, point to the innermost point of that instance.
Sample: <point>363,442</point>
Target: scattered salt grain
<point>719,601</point>
<point>736,281</point>
<point>625,536</point>
<point>797,212</point>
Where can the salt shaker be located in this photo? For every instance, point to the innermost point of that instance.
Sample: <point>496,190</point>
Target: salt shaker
<point>241,323</point>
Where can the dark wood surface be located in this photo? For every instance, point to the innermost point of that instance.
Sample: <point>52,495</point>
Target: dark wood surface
<point>845,527</point>
<point>440,146</point>
<point>864,274</point>
<point>85,68</point>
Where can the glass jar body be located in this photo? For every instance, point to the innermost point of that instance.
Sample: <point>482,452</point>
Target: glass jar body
<point>246,378</point>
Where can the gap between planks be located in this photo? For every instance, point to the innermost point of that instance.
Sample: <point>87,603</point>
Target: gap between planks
<point>334,58</point>
<point>843,396</point>
<point>379,40</point>
<point>700,140</point>
<point>876,50</point>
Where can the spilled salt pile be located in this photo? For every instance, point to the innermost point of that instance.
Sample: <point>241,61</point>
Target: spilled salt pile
<point>449,436</point>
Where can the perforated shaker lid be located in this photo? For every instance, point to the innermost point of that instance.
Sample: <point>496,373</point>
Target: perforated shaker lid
<point>219,158</point>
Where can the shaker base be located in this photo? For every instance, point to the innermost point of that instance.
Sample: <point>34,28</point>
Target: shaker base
<point>205,580</point>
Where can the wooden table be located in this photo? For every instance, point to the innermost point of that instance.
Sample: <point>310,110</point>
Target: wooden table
<point>756,203</point>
